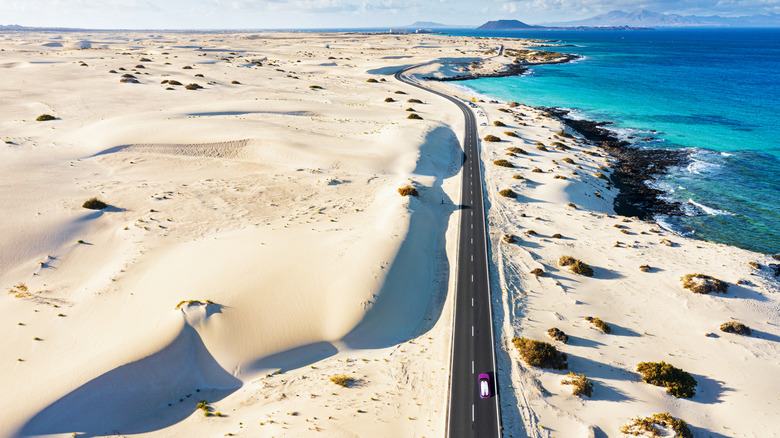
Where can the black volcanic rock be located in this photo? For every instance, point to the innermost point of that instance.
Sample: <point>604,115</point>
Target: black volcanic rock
<point>505,25</point>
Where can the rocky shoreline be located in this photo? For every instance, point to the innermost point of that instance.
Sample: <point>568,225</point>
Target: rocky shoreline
<point>515,69</point>
<point>633,168</point>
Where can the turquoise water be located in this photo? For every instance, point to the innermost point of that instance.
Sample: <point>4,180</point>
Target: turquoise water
<point>715,92</point>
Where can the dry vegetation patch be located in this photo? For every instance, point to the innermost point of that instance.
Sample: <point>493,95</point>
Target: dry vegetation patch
<point>45,118</point>
<point>599,324</point>
<point>508,193</point>
<point>343,380</point>
<point>414,116</point>
<point>677,382</point>
<point>582,386</point>
<point>503,163</point>
<point>94,204</point>
<point>703,284</point>
<point>735,327</point>
<point>492,138</point>
<point>558,335</point>
<point>540,354</point>
<point>656,426</point>
<point>576,266</point>
<point>408,191</point>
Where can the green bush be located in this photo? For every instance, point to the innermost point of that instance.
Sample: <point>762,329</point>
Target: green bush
<point>503,163</point>
<point>45,118</point>
<point>582,386</point>
<point>509,193</point>
<point>601,325</point>
<point>703,284</point>
<point>540,354</point>
<point>94,204</point>
<point>677,382</point>
<point>558,335</point>
<point>492,138</point>
<point>649,425</point>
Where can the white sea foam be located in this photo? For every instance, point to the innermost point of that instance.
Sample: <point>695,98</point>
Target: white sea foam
<point>709,210</point>
<point>698,167</point>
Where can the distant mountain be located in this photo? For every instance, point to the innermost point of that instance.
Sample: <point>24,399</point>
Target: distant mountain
<point>505,25</point>
<point>645,18</point>
<point>433,25</point>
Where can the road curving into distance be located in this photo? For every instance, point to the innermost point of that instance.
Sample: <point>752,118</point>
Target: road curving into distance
<point>473,341</point>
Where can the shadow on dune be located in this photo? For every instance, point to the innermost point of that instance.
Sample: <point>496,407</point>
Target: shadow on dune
<point>294,358</point>
<point>408,292</point>
<point>143,396</point>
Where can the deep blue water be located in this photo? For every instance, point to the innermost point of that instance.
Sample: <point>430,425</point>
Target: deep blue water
<point>715,91</point>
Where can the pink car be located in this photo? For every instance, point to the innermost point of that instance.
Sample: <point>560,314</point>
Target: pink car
<point>484,385</point>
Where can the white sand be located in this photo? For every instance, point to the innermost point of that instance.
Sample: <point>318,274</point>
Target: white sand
<point>278,204</point>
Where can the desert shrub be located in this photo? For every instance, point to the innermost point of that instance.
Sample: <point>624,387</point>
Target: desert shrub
<point>511,134</point>
<point>537,170</point>
<point>414,101</point>
<point>568,160</point>
<point>399,92</point>
<point>199,75</point>
<point>498,123</point>
<point>601,325</point>
<point>235,82</point>
<point>503,163</point>
<point>112,71</point>
<point>582,386</point>
<point>513,104</point>
<point>343,380</point>
<point>559,177</point>
<point>576,266</point>
<point>45,118</point>
<point>517,150</point>
<point>509,238</point>
<point>703,284</point>
<point>645,268</point>
<point>540,354</point>
<point>509,193</point>
<point>190,302</point>
<point>315,87</point>
<point>572,205</point>
<point>504,110</point>
<point>600,175</point>
<point>129,81</point>
<point>735,327</point>
<point>541,147</point>
<point>563,134</point>
<point>538,272</point>
<point>94,204</point>
<point>414,116</point>
<point>192,87</point>
<point>754,265</point>
<point>408,191</point>
<point>492,138</point>
<point>410,109</point>
<point>558,335</point>
<point>517,176</point>
<point>164,81</point>
<point>530,232</point>
<point>667,242</point>
<point>677,382</point>
<point>174,82</point>
<point>650,425</point>
<point>389,99</point>
<point>186,67</point>
<point>557,236</point>
<point>372,80</point>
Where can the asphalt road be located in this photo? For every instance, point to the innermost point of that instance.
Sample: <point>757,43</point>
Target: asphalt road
<point>473,350</point>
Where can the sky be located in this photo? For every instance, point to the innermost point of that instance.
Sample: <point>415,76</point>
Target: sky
<point>308,14</point>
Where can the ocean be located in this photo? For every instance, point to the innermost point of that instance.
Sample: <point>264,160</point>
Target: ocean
<point>714,92</point>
